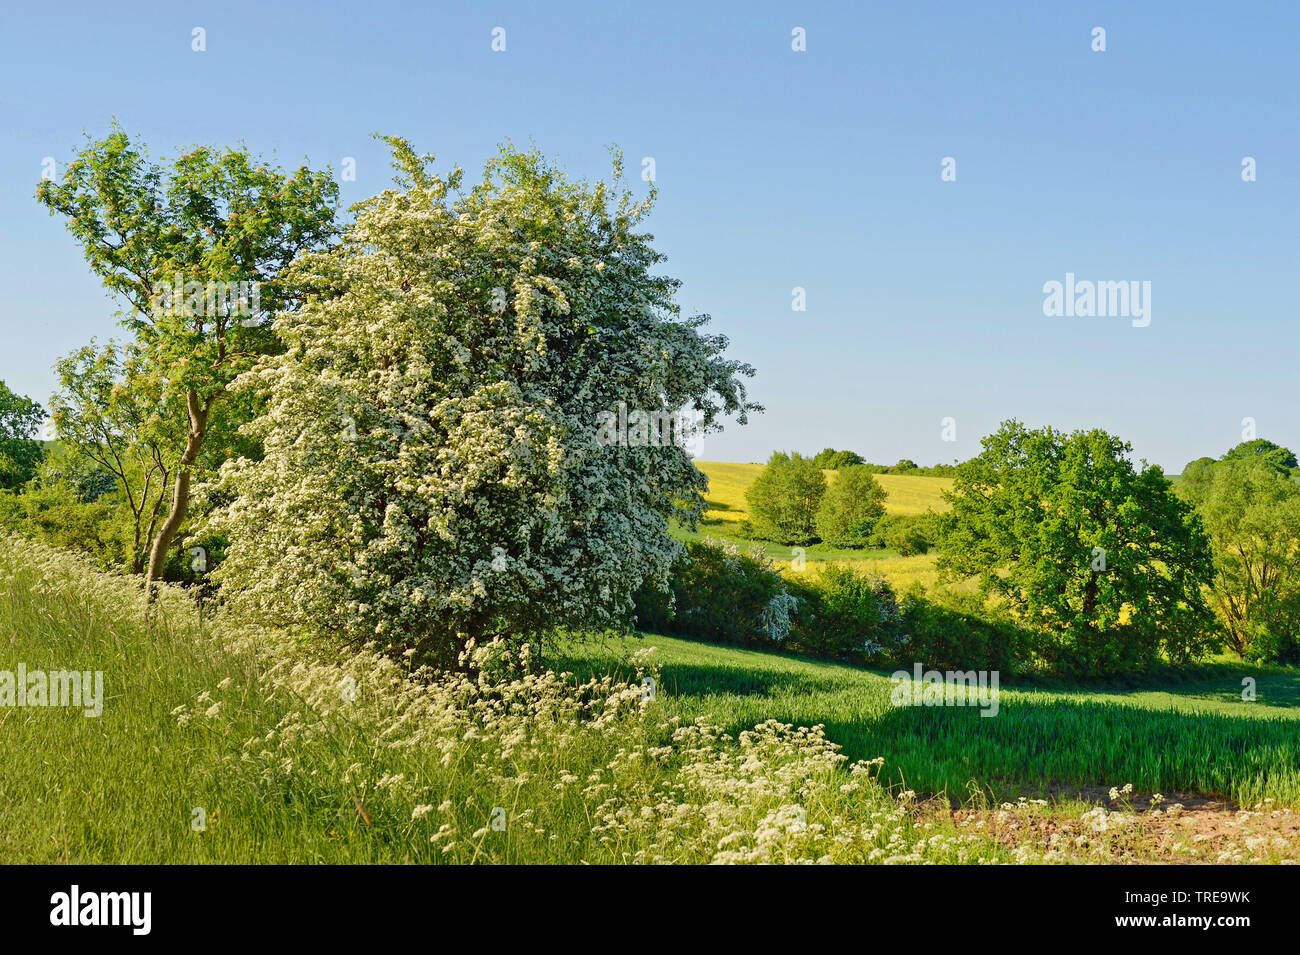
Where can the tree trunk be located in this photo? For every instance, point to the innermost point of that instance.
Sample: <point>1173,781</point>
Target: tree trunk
<point>1090,594</point>
<point>198,412</point>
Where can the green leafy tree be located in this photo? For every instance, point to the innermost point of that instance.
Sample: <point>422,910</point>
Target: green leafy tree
<point>1277,457</point>
<point>828,459</point>
<point>784,499</point>
<point>852,505</point>
<point>434,469</point>
<point>1195,470</point>
<point>822,458</point>
<point>20,451</point>
<point>110,412</point>
<point>1251,510</point>
<point>1104,562</point>
<point>906,534</point>
<point>197,248</point>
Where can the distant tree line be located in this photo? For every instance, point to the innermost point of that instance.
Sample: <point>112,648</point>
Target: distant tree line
<point>791,502</point>
<point>1104,567</point>
<point>828,459</point>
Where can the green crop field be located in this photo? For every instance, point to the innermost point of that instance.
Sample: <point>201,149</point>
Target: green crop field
<point>1189,734</point>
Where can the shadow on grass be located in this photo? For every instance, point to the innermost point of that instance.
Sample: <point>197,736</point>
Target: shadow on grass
<point>1046,738</point>
<point>1218,683</point>
<point>1036,745</point>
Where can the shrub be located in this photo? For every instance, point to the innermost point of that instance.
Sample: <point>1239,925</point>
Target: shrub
<point>906,534</point>
<point>56,515</point>
<point>955,631</point>
<point>849,614</point>
<point>831,460</point>
<point>852,506</point>
<point>717,593</point>
<point>449,452</point>
<point>1277,636</point>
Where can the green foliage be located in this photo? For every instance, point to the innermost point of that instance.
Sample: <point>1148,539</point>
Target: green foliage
<point>1103,562</point>
<point>828,459</point>
<point>198,248</point>
<point>910,467</point>
<point>850,508</point>
<point>87,480</point>
<point>907,534</point>
<point>20,452</point>
<point>784,498</point>
<point>848,613</point>
<point>1279,641</point>
<point>1275,456</point>
<point>952,630</point>
<point>1251,509</point>
<point>56,514</point>
<point>714,592</point>
<point>114,417</point>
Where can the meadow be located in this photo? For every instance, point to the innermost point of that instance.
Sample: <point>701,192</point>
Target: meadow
<point>1188,733</point>
<point>224,742</point>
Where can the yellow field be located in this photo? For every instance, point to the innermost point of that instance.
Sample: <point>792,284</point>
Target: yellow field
<point>908,495</point>
<point>901,572</point>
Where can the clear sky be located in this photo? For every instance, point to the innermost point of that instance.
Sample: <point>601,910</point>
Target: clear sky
<point>777,169</point>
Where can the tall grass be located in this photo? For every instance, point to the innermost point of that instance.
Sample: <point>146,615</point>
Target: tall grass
<point>222,742</point>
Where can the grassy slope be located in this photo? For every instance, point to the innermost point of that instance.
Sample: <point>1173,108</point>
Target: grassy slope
<point>122,788</point>
<point>1196,737</point>
<point>261,733</point>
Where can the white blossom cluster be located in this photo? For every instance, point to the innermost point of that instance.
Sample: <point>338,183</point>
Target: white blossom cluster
<point>431,466</point>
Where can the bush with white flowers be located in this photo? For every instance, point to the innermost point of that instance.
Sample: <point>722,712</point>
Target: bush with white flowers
<point>433,467</point>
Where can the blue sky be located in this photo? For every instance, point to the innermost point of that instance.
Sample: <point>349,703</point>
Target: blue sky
<point>817,169</point>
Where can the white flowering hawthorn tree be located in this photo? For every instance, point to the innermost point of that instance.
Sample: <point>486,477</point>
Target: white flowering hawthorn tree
<point>433,470</point>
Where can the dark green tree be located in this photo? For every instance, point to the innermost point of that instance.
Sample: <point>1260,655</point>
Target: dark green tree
<point>1102,561</point>
<point>20,451</point>
<point>1280,458</point>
